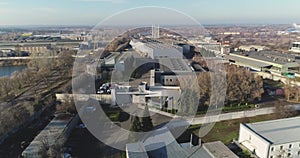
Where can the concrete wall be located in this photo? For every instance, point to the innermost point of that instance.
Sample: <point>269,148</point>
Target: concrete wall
<point>55,133</point>
<point>253,142</point>
<point>175,94</point>
<point>105,98</point>
<point>138,99</point>
<point>166,53</point>
<point>118,99</point>
<point>232,115</point>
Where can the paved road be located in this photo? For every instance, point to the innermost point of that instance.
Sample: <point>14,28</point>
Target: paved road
<point>227,116</point>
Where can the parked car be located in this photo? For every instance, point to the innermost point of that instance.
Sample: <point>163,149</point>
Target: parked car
<point>90,108</point>
<point>104,89</point>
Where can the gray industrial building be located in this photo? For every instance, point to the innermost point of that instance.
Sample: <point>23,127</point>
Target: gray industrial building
<point>270,61</point>
<point>155,50</point>
<point>170,148</point>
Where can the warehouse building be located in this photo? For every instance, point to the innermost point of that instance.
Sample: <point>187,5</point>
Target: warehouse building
<point>270,61</point>
<point>156,50</point>
<point>272,139</point>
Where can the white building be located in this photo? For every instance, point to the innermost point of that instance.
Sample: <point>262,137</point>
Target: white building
<point>156,96</point>
<point>231,33</point>
<point>157,50</point>
<point>272,139</point>
<point>295,47</point>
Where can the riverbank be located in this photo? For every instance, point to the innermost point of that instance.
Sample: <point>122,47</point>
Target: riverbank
<point>7,71</point>
<point>17,62</point>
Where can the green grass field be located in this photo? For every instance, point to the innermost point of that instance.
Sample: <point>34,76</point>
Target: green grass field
<point>226,131</point>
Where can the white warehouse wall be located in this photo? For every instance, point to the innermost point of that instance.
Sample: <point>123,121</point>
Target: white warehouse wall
<point>253,142</point>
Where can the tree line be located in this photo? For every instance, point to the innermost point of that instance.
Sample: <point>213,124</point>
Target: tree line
<point>242,86</point>
<point>24,93</point>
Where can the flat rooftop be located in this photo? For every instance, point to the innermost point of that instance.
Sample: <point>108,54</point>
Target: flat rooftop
<point>156,45</point>
<point>219,150</point>
<point>270,56</point>
<point>248,61</point>
<point>278,131</point>
<point>170,148</point>
<point>174,65</point>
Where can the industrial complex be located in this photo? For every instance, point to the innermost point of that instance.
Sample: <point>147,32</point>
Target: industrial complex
<point>166,65</point>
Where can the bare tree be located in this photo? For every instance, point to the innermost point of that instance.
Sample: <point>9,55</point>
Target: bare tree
<point>283,111</point>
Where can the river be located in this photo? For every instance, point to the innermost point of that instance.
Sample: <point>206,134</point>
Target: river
<point>7,71</point>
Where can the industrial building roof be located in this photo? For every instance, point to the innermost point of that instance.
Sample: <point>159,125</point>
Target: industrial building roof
<point>219,150</point>
<point>156,45</point>
<point>248,61</point>
<point>174,65</point>
<point>278,131</point>
<point>269,56</point>
<point>169,147</point>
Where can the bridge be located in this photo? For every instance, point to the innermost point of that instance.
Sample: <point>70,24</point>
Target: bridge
<point>26,58</point>
<point>14,44</point>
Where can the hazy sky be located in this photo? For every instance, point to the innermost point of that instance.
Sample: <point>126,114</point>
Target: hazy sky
<point>90,12</point>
